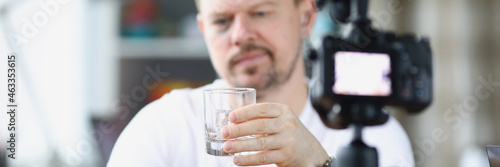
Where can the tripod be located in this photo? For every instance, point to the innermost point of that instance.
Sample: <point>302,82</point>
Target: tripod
<point>353,114</point>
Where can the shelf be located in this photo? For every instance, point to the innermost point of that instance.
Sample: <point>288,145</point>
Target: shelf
<point>163,48</point>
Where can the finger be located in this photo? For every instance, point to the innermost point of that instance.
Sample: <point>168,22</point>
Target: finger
<point>261,110</point>
<point>256,126</point>
<point>261,158</point>
<point>256,144</point>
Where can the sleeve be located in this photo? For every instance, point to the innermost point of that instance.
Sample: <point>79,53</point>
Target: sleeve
<point>144,141</point>
<point>392,143</point>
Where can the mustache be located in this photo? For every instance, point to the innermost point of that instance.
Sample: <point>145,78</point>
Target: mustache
<point>249,48</point>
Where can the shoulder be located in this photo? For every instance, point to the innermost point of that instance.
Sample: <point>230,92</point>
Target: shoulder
<point>148,139</point>
<point>144,141</point>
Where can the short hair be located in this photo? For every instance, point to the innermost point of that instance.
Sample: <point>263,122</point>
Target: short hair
<point>198,3</point>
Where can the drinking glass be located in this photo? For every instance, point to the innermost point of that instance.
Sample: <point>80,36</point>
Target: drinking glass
<point>218,104</point>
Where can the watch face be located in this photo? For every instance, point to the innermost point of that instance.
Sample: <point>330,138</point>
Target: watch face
<point>330,162</point>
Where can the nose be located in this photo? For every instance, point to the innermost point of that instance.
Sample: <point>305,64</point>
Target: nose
<point>243,31</point>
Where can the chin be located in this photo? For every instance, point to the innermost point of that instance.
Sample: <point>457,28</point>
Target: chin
<point>252,77</point>
<point>256,82</point>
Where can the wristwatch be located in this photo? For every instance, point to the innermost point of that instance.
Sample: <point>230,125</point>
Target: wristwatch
<point>330,162</point>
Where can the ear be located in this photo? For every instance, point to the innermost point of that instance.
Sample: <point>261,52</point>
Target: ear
<point>201,26</point>
<point>308,11</point>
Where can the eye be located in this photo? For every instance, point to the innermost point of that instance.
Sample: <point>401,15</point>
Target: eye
<point>261,14</point>
<point>222,21</point>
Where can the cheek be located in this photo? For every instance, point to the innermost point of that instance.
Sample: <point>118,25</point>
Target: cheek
<point>285,38</point>
<point>218,48</point>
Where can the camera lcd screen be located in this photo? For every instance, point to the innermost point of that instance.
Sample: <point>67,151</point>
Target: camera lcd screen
<point>362,74</point>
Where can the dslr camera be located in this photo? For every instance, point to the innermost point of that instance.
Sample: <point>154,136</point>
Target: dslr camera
<point>369,68</point>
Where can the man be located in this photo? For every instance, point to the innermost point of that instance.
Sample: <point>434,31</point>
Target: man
<point>252,43</point>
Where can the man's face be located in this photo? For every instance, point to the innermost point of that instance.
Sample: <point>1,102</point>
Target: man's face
<point>252,43</point>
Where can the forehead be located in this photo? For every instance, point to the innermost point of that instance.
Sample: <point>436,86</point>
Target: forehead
<point>210,6</point>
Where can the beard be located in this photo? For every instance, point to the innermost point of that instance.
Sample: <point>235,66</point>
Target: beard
<point>270,78</point>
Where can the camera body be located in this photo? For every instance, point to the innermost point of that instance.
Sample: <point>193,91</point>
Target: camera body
<point>371,66</point>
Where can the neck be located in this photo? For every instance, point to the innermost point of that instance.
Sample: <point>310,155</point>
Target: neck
<point>292,93</point>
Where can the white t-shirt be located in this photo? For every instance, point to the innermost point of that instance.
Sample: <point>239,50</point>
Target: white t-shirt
<point>170,132</point>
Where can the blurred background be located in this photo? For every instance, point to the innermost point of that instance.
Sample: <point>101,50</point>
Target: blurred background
<point>87,66</point>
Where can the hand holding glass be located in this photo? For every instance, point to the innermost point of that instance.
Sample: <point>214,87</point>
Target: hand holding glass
<point>218,104</point>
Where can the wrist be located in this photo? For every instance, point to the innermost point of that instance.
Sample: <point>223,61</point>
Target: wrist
<point>320,160</point>
<point>320,157</point>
